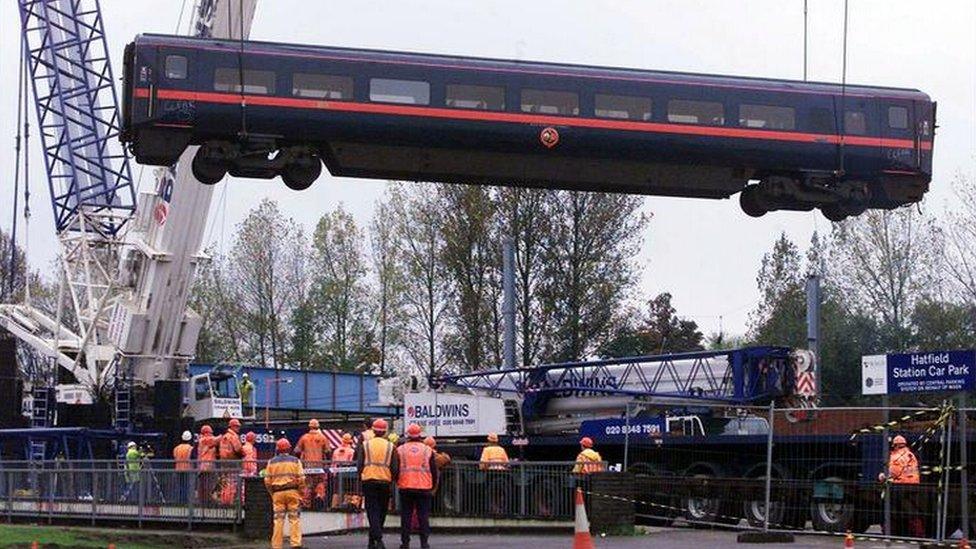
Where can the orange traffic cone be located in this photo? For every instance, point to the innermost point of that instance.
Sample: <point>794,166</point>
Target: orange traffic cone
<point>34,544</point>
<point>582,540</point>
<point>848,540</point>
<point>964,543</point>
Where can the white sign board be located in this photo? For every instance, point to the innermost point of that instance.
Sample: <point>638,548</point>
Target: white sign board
<point>874,375</point>
<point>454,415</point>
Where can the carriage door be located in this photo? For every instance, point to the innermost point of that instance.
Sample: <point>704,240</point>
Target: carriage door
<point>899,143</point>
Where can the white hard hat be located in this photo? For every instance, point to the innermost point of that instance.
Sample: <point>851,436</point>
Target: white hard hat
<point>187,436</point>
<point>245,374</point>
<point>131,444</point>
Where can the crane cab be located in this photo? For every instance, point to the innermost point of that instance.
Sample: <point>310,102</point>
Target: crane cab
<point>213,395</point>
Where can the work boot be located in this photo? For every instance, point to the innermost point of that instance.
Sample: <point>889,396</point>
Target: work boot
<point>423,543</point>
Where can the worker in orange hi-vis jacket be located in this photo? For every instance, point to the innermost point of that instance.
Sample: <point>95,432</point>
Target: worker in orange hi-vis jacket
<point>285,480</point>
<point>249,465</point>
<point>589,460</point>
<point>231,450</point>
<point>903,469</point>
<point>314,449</point>
<point>184,467</point>
<point>343,489</point>
<point>441,459</point>
<point>493,456</point>
<point>206,454</point>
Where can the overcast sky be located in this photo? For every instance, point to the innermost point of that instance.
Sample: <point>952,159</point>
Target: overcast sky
<point>706,253</point>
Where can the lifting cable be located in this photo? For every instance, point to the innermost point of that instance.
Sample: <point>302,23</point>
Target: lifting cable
<point>843,97</point>
<point>240,58</point>
<point>12,271</point>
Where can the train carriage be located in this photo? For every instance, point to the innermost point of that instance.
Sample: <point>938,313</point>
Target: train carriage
<point>393,115</point>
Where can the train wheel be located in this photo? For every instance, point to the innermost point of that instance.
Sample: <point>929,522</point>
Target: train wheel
<point>207,170</point>
<point>301,172</point>
<point>660,509</point>
<point>750,201</point>
<point>834,212</point>
<point>835,516</point>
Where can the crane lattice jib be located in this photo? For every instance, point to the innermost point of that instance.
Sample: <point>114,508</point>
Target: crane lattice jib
<point>739,376</point>
<point>77,111</point>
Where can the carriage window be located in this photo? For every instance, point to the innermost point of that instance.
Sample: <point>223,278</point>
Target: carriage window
<point>550,102</point>
<point>898,118</point>
<point>767,117</point>
<point>485,98</point>
<point>175,67</point>
<point>410,92</point>
<point>622,106</point>
<point>321,86</point>
<point>821,120</point>
<point>855,123</point>
<point>707,113</point>
<point>256,82</point>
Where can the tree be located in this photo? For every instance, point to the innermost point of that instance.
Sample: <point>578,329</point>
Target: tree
<point>780,316</point>
<point>588,268</point>
<point>220,338</point>
<point>470,256</point>
<point>659,331</point>
<point>960,231</point>
<point>266,271</point>
<point>388,272</point>
<point>524,215</point>
<point>883,262</point>
<point>340,294</point>
<point>419,223</point>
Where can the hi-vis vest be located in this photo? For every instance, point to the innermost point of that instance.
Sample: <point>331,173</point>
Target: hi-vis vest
<point>377,457</point>
<point>903,467</point>
<point>415,466</point>
<point>588,461</point>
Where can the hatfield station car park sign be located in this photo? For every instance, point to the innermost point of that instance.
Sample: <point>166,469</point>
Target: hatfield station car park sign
<point>918,372</point>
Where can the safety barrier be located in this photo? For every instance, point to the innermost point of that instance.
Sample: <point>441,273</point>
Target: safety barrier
<point>152,491</point>
<point>156,491</point>
<point>805,470</point>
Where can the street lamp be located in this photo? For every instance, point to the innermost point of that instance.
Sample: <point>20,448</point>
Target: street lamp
<point>267,397</point>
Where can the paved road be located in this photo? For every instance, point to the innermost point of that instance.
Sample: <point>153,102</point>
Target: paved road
<point>663,538</point>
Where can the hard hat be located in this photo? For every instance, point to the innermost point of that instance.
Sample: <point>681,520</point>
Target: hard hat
<point>234,423</point>
<point>131,444</point>
<point>492,437</point>
<point>206,430</point>
<point>283,445</point>
<point>313,424</point>
<point>250,437</point>
<point>187,436</point>
<point>413,430</point>
<point>586,442</point>
<point>429,441</point>
<point>347,438</point>
<point>245,375</point>
<point>899,441</point>
<point>379,425</point>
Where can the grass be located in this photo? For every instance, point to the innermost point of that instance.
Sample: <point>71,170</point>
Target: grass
<point>23,536</point>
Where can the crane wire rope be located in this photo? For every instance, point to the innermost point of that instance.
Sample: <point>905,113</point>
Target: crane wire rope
<point>843,94</point>
<point>12,270</point>
<point>26,152</point>
<point>240,58</point>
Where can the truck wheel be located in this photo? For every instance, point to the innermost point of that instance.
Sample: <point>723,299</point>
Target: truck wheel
<point>706,511</point>
<point>836,516</point>
<point>658,508</point>
<point>782,514</point>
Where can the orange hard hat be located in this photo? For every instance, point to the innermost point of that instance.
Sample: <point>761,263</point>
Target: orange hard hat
<point>283,445</point>
<point>379,425</point>
<point>586,442</point>
<point>413,430</point>
<point>250,437</point>
<point>206,430</point>
<point>313,424</point>
<point>429,441</point>
<point>234,423</point>
<point>347,438</point>
<point>899,441</point>
<point>492,437</point>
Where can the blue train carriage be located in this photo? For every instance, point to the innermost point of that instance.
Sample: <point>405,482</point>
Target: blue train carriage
<point>783,145</point>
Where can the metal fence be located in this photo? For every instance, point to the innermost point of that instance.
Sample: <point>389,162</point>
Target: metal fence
<point>158,491</point>
<point>808,470</point>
